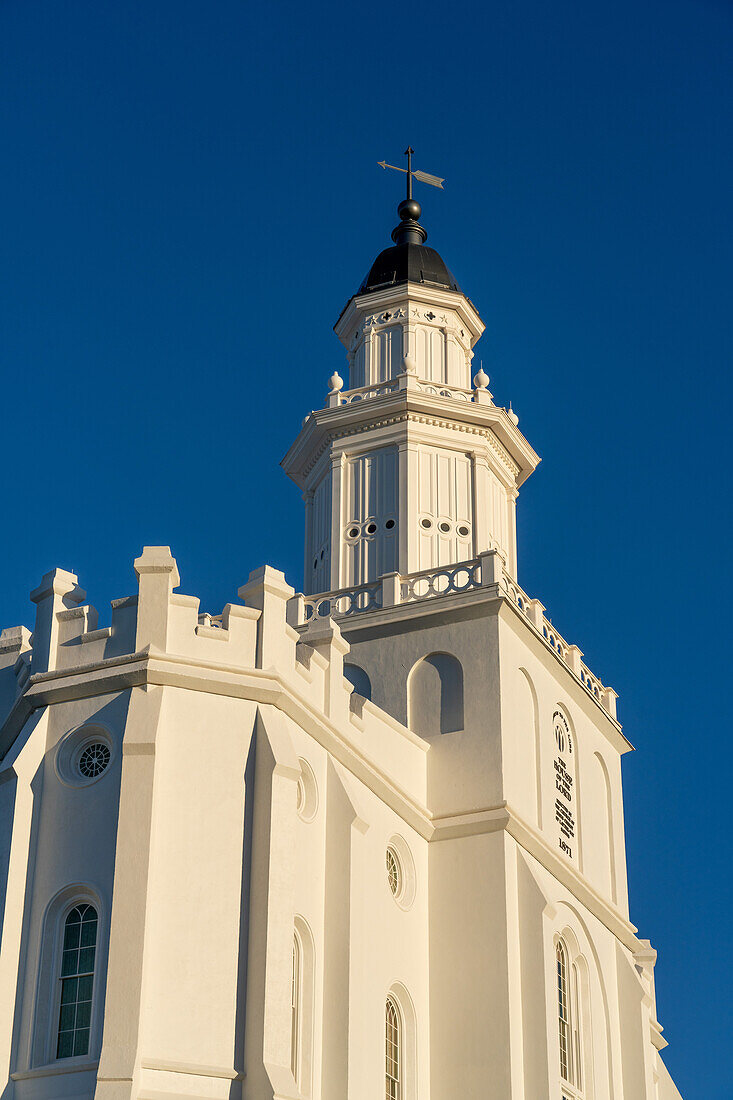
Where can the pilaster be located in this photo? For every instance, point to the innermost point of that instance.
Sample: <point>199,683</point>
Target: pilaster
<point>119,1062</point>
<point>308,498</point>
<point>409,538</point>
<point>272,788</point>
<point>481,501</point>
<point>338,461</point>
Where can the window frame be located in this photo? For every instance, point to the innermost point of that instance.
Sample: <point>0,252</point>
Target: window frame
<point>392,1010</point>
<point>47,1004</point>
<point>302,1065</point>
<point>572,1083</point>
<point>296,1007</point>
<point>60,978</point>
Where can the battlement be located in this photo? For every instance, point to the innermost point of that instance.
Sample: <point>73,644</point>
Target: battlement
<point>159,623</point>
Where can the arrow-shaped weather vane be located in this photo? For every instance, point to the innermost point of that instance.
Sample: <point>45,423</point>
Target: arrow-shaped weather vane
<point>424,177</point>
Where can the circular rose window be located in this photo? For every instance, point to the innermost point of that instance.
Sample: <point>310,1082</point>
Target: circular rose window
<point>93,759</point>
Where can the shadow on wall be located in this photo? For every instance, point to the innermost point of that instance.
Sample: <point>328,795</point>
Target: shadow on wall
<point>359,679</point>
<point>435,695</point>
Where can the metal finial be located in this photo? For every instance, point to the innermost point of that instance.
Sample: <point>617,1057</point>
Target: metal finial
<point>409,231</point>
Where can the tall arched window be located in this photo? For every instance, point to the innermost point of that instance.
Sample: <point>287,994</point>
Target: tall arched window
<point>568,1017</point>
<point>302,1007</point>
<point>393,1051</point>
<point>77,981</point>
<point>295,1009</point>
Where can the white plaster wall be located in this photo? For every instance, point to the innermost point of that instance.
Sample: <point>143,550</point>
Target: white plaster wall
<point>72,841</point>
<point>464,768</point>
<point>470,1028</point>
<point>531,673</point>
<point>191,993</point>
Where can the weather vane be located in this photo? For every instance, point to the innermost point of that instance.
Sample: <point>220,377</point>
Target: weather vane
<point>424,177</point>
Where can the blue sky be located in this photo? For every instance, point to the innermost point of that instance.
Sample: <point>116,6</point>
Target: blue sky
<point>189,196</point>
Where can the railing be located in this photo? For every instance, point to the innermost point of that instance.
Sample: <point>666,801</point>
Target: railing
<point>438,389</point>
<point>487,570</point>
<point>365,393</point>
<point>453,578</point>
<point>343,602</point>
<point>406,382</point>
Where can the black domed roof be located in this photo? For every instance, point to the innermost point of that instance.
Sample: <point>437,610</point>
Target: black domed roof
<point>408,262</point>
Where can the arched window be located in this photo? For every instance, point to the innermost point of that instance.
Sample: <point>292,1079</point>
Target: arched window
<point>435,695</point>
<point>295,1007</point>
<point>568,1018</point>
<point>393,1051</point>
<point>302,1007</point>
<point>76,980</point>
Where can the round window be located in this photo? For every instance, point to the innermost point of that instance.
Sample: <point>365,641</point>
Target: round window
<point>306,796</point>
<point>353,532</point>
<point>84,755</point>
<point>371,528</point>
<point>426,523</point>
<point>444,527</point>
<point>389,524</point>
<point>93,759</point>
<point>394,871</point>
<point>400,869</point>
<point>463,531</point>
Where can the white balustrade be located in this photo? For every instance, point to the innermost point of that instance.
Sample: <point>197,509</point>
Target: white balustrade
<point>487,570</point>
<point>366,393</point>
<point>342,602</point>
<point>438,389</point>
<point>441,582</point>
<point>394,385</point>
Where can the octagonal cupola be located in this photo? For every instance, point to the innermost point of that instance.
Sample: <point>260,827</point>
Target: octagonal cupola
<point>409,315</point>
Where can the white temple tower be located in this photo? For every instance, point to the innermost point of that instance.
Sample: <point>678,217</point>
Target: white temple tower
<point>361,841</point>
<point>432,480</point>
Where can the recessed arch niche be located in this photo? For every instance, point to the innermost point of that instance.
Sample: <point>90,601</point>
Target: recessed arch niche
<point>435,695</point>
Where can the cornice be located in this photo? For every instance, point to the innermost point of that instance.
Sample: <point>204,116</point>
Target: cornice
<point>487,422</point>
<point>375,302</point>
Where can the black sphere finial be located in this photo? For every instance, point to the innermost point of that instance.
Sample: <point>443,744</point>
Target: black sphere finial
<point>409,210</point>
<point>409,231</point>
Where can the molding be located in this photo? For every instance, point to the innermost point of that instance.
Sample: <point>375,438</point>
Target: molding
<point>413,418</point>
<point>323,426</point>
<point>53,1069</point>
<point>360,306</point>
<point>192,1068</point>
<point>503,817</point>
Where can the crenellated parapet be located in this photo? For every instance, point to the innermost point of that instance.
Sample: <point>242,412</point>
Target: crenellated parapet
<point>159,636</point>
